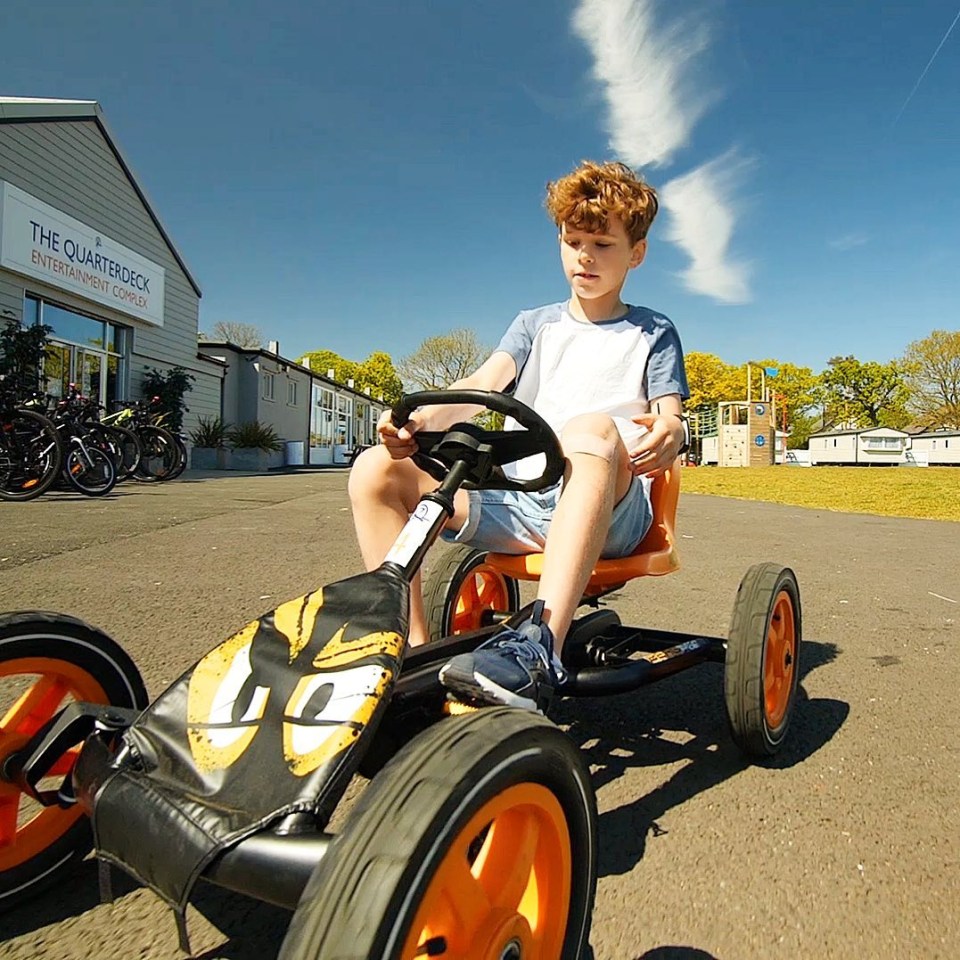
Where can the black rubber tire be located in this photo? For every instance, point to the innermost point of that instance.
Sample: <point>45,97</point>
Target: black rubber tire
<point>126,447</point>
<point>182,457</point>
<point>363,895</point>
<point>15,477</point>
<point>92,472</point>
<point>62,640</point>
<point>442,586</point>
<point>755,614</point>
<point>161,456</point>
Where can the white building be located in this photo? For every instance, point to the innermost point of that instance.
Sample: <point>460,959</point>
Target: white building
<point>83,250</point>
<point>877,446</point>
<point>939,448</point>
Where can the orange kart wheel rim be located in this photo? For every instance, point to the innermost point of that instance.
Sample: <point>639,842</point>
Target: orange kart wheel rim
<point>502,889</point>
<point>483,589</point>
<point>780,660</point>
<point>25,831</point>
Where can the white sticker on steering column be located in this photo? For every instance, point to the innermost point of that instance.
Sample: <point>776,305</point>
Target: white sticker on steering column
<point>414,532</point>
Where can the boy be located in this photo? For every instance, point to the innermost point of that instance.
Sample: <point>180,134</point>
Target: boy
<point>609,379</point>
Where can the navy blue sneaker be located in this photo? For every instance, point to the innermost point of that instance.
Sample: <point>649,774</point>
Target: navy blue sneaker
<point>516,668</point>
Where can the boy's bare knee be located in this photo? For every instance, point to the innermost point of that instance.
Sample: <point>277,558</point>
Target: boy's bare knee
<point>375,475</point>
<point>368,472</point>
<point>594,434</point>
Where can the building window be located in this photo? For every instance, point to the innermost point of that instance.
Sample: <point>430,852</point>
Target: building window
<point>85,350</point>
<point>883,443</point>
<point>268,386</point>
<point>291,392</point>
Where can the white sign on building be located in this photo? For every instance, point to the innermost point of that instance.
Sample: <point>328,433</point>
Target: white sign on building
<point>41,242</point>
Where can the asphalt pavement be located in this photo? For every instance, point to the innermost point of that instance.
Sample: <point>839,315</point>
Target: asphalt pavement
<point>846,845</point>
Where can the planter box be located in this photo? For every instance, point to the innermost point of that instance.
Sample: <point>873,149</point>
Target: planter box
<point>226,458</point>
<point>209,458</point>
<point>254,460</point>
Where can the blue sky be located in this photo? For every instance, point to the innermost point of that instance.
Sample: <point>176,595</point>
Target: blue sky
<point>360,176</point>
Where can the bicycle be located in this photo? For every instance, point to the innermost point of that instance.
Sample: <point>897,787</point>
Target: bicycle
<point>31,453</point>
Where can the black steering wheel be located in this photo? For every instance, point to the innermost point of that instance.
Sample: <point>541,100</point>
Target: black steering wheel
<point>484,450</point>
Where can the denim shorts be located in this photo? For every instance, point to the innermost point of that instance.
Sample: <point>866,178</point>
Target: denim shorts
<point>511,521</point>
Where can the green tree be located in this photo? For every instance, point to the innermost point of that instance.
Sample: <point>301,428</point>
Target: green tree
<point>793,390</point>
<point>932,372</point>
<point>440,361</point>
<point>323,361</point>
<point>21,353</point>
<point>170,386</point>
<point>712,381</point>
<point>377,373</point>
<point>856,394</point>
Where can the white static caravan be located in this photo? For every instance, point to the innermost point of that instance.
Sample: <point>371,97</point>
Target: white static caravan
<point>938,448</point>
<point>879,446</point>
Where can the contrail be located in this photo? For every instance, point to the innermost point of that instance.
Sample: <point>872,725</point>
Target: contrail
<point>916,86</point>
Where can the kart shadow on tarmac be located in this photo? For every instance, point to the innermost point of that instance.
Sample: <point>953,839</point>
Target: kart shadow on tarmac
<point>663,729</point>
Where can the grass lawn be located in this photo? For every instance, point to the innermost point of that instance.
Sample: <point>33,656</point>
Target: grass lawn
<point>931,493</point>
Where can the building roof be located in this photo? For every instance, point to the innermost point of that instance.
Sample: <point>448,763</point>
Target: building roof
<point>40,109</point>
<point>291,364</point>
<point>851,433</point>
<point>936,434</point>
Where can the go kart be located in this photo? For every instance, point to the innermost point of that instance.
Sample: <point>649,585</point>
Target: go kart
<point>477,834</point>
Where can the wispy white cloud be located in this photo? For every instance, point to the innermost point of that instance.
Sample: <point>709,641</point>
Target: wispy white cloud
<point>644,73</point>
<point>701,222</point>
<point>645,70</point>
<point>848,241</point>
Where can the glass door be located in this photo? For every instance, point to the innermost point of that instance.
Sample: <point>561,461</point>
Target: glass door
<point>90,368</point>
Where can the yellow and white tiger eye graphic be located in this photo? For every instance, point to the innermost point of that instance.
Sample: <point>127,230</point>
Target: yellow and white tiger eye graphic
<point>346,700</point>
<point>216,740</point>
<point>296,619</point>
<point>330,704</point>
<point>339,651</point>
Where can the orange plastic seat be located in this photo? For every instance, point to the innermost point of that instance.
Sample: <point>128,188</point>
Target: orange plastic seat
<point>655,556</point>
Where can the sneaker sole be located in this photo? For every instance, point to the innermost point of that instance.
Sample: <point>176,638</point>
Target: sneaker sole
<point>482,690</point>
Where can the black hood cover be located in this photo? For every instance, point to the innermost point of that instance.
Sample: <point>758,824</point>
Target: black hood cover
<point>271,722</point>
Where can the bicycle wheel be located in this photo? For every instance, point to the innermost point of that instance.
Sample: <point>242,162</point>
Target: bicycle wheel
<point>159,454</point>
<point>31,455</point>
<point>48,660</point>
<point>127,445</point>
<point>182,457</point>
<point>89,469</point>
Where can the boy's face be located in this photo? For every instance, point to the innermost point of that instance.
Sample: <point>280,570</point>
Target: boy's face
<point>596,264</point>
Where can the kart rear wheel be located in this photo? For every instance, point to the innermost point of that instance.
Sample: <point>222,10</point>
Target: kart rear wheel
<point>477,841</point>
<point>762,669</point>
<point>463,590</point>
<point>48,660</point>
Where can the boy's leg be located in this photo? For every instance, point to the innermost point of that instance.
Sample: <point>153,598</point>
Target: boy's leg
<point>521,667</point>
<point>598,476</point>
<point>383,494</point>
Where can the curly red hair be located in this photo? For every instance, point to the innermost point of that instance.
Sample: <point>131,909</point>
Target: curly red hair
<point>587,196</point>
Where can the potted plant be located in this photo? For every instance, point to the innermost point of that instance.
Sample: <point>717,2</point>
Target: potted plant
<point>256,446</point>
<point>209,439</point>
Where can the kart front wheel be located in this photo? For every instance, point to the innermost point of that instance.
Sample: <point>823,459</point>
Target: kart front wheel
<point>478,840</point>
<point>762,669</point>
<point>462,592</point>
<point>48,660</point>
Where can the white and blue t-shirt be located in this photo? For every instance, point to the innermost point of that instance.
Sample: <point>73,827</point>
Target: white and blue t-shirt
<point>566,367</point>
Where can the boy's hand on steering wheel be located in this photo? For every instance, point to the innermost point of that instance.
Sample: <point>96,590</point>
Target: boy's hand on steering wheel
<point>399,441</point>
<point>659,447</point>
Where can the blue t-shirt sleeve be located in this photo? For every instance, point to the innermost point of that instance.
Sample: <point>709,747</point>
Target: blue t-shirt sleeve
<point>665,370</point>
<point>518,340</point>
